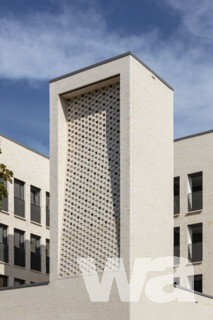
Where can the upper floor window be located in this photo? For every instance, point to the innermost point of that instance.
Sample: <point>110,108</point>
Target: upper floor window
<point>47,256</point>
<point>47,209</point>
<point>19,248</point>
<point>35,204</point>
<point>195,196</point>
<point>3,243</point>
<point>35,252</point>
<point>176,195</point>
<point>3,281</point>
<point>177,245</point>
<point>4,202</point>
<point>195,247</point>
<point>19,203</point>
<point>196,282</point>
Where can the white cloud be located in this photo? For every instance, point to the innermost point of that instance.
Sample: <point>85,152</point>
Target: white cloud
<point>42,46</point>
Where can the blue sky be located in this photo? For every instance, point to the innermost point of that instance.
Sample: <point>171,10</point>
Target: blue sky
<point>40,40</point>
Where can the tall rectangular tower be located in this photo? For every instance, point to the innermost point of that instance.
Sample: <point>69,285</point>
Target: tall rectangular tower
<point>111,166</point>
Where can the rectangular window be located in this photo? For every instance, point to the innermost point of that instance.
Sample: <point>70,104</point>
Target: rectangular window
<point>195,196</point>
<point>35,252</point>
<point>3,281</point>
<point>47,209</point>
<point>177,281</point>
<point>19,203</point>
<point>18,282</point>
<point>176,195</point>
<point>19,248</point>
<point>176,245</point>
<point>195,247</point>
<point>196,282</point>
<point>4,202</point>
<point>3,243</point>
<point>47,256</point>
<point>35,205</point>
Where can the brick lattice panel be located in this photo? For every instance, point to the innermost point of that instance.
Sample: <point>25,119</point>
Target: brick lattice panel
<point>91,219</point>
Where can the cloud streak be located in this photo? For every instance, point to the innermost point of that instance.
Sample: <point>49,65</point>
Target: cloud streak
<point>42,46</point>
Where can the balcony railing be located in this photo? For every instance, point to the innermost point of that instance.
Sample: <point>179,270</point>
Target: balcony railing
<point>35,213</point>
<point>195,252</point>
<point>19,257</point>
<point>3,252</point>
<point>35,261</point>
<point>195,201</point>
<point>176,254</point>
<point>176,204</point>
<point>47,218</point>
<point>19,207</point>
<point>4,204</point>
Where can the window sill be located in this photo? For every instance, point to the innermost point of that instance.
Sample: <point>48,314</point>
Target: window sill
<point>36,271</point>
<point>4,263</point>
<point>36,223</point>
<point>5,212</point>
<point>48,228</point>
<point>19,267</point>
<point>194,212</point>
<point>18,217</point>
<point>195,263</point>
<point>176,215</point>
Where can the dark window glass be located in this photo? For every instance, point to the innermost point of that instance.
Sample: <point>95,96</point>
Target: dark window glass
<point>4,202</point>
<point>195,247</point>
<point>195,196</point>
<point>47,256</point>
<point>176,195</point>
<point>3,281</point>
<point>35,205</point>
<point>18,282</point>
<point>176,245</point>
<point>35,252</point>
<point>19,248</point>
<point>19,203</point>
<point>3,243</point>
<point>47,209</point>
<point>198,283</point>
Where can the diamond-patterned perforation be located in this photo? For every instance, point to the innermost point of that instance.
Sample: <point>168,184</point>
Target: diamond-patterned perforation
<point>91,219</point>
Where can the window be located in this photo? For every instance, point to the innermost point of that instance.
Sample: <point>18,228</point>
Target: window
<point>35,252</point>
<point>177,245</point>
<point>3,243</point>
<point>35,205</point>
<point>18,282</point>
<point>47,256</point>
<point>3,281</point>
<point>47,209</point>
<point>195,248</point>
<point>177,281</point>
<point>176,195</point>
<point>196,282</point>
<point>19,203</point>
<point>195,196</point>
<point>4,202</point>
<point>19,248</point>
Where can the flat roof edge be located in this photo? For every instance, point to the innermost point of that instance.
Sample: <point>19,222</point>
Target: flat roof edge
<point>129,53</point>
<point>22,145</point>
<point>193,135</point>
